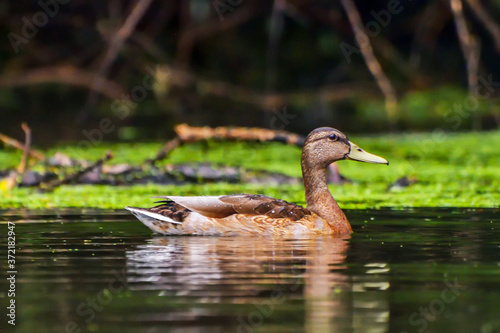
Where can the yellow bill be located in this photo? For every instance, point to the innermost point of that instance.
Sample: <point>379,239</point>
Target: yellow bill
<point>358,154</point>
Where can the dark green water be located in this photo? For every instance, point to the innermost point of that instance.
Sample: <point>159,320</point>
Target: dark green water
<point>419,270</point>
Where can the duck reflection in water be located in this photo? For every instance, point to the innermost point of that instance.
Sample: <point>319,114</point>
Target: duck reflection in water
<point>260,281</point>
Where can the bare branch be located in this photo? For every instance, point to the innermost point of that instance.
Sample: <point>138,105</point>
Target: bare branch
<point>166,150</point>
<point>63,74</point>
<point>370,59</point>
<point>16,176</point>
<point>114,48</point>
<point>192,34</point>
<point>18,145</point>
<point>469,45</point>
<point>485,18</point>
<point>26,151</point>
<point>73,76</point>
<point>47,187</point>
<point>432,21</point>
<point>266,101</point>
<point>276,28</point>
<point>123,33</point>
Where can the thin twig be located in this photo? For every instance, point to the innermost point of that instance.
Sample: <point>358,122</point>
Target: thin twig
<point>469,45</point>
<point>66,75</point>
<point>47,187</point>
<point>26,151</point>
<point>114,48</point>
<point>276,28</point>
<point>119,39</point>
<point>266,101</point>
<point>485,18</point>
<point>16,176</point>
<point>73,76</point>
<point>193,33</point>
<point>165,150</point>
<point>18,145</point>
<point>370,59</point>
<point>432,21</point>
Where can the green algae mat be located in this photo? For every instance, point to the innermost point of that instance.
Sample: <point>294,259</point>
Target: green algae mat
<point>451,170</point>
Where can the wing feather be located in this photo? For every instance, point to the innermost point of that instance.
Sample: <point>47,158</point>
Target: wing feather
<point>252,204</point>
<point>209,206</point>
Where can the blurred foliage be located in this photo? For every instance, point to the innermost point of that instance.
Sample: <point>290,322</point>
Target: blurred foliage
<point>448,108</point>
<point>240,48</point>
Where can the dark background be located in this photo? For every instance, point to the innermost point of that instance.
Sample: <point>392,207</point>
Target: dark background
<point>241,63</point>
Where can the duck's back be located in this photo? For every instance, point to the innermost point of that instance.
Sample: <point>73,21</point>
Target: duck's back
<point>230,215</point>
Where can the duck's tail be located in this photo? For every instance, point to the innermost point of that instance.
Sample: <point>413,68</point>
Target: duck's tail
<point>154,221</point>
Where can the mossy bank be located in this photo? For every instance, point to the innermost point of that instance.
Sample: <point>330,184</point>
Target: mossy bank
<point>451,170</point>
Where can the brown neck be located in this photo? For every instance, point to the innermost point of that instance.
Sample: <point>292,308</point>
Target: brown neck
<point>319,199</point>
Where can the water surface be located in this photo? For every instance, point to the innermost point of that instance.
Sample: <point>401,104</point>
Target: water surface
<point>418,270</point>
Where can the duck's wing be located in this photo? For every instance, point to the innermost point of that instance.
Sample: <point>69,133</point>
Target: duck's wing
<point>256,204</point>
<point>209,206</point>
<point>251,204</point>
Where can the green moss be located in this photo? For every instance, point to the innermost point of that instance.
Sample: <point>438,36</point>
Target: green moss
<point>451,170</point>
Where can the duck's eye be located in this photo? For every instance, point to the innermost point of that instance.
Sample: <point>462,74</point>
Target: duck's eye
<point>333,137</point>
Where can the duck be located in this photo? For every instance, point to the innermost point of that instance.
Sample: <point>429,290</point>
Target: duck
<point>256,214</point>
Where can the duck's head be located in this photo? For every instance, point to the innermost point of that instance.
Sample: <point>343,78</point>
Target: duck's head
<point>326,145</point>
